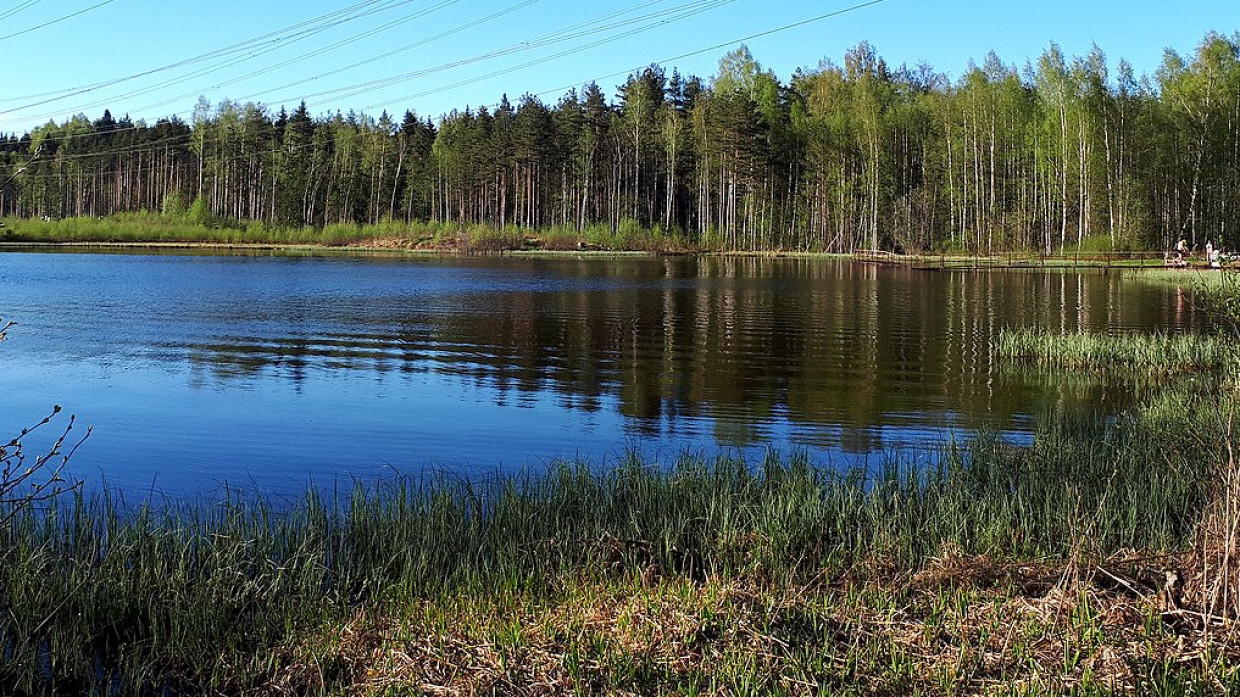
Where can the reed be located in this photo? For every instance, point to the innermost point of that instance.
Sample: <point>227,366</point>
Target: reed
<point>234,595</point>
<point>1156,354</point>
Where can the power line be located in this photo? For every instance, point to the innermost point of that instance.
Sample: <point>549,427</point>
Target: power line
<point>732,42</point>
<point>317,26</point>
<point>311,54</point>
<point>555,56</point>
<point>290,33</point>
<point>19,8</point>
<point>283,42</point>
<point>55,21</point>
<point>350,90</point>
<point>403,49</point>
<point>653,20</point>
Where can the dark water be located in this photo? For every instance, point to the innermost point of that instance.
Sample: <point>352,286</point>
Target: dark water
<point>277,372</point>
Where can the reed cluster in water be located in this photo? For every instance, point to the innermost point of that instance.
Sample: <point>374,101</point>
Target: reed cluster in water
<point>1157,354</point>
<point>698,575</point>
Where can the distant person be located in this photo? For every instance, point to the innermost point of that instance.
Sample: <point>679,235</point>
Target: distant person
<point>1174,260</point>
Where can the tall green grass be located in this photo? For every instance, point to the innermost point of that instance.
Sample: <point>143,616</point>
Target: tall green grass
<point>138,228</point>
<point>1160,354</point>
<point>205,596</point>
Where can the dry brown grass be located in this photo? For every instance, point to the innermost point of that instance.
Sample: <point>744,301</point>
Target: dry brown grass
<point>965,625</point>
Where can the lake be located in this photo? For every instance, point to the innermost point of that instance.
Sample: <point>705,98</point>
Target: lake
<point>279,372</point>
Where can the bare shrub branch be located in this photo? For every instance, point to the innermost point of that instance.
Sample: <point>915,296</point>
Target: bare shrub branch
<point>27,479</point>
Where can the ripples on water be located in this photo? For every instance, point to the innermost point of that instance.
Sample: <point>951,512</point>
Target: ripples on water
<point>279,371</point>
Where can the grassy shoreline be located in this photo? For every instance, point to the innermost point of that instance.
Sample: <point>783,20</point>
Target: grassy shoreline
<point>698,576</point>
<point>961,262</point>
<point>151,230</point>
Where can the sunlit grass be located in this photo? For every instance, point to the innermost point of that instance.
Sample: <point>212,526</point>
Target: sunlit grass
<point>1121,353</point>
<point>559,575</point>
<point>154,228</point>
<point>1181,278</point>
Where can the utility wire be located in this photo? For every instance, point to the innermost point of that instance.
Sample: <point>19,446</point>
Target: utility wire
<point>33,157</point>
<point>303,57</point>
<point>292,32</point>
<point>250,56</point>
<point>521,46</point>
<point>19,8</point>
<point>787,27</point>
<point>555,56</point>
<point>55,21</point>
<point>653,20</point>
<point>356,88</point>
<point>403,49</point>
<point>724,44</point>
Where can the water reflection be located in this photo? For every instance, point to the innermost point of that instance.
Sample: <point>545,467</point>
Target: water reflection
<point>836,350</point>
<point>276,371</point>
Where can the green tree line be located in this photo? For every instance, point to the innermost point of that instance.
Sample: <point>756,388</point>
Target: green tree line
<point>1060,153</point>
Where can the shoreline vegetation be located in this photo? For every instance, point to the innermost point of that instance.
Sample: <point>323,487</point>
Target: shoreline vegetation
<point>161,231</point>
<point>987,566</point>
<point>1100,559</point>
<point>1159,355</point>
<point>158,229</point>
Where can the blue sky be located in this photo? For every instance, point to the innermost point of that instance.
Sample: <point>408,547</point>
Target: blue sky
<point>65,57</point>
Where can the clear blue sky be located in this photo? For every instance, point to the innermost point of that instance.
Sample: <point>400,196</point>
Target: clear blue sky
<point>424,55</point>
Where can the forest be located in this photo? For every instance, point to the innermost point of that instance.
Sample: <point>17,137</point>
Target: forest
<point>1061,153</point>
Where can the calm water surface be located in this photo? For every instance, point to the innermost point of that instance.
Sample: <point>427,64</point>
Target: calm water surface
<point>279,372</point>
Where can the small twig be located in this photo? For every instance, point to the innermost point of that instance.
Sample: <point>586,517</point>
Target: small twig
<point>1130,585</point>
